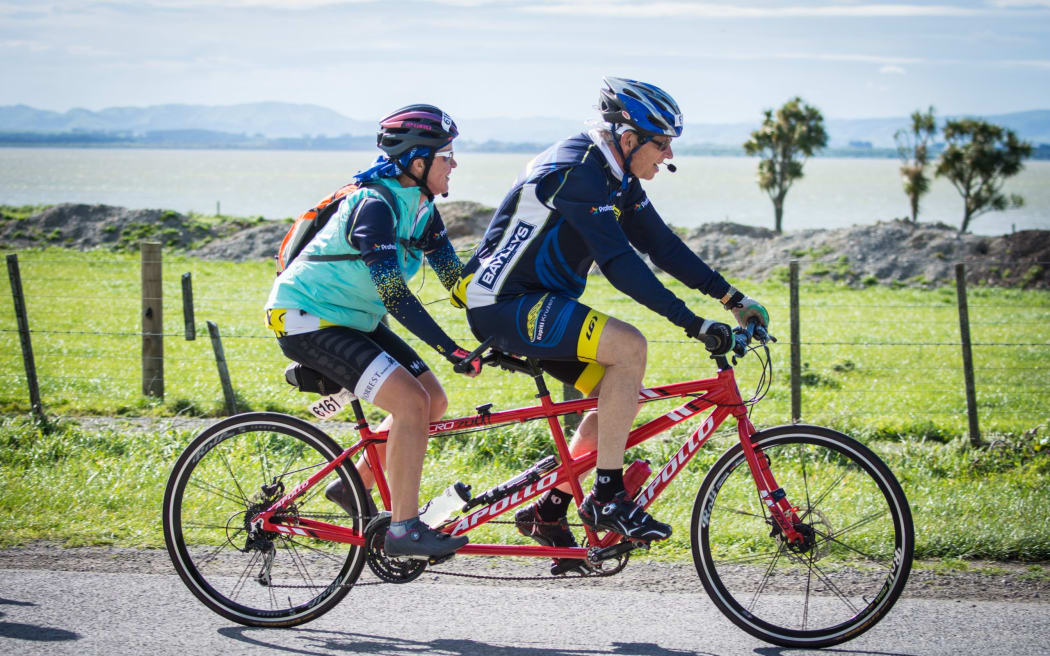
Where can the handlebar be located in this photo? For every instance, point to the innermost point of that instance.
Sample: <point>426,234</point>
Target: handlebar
<point>463,366</point>
<point>753,330</point>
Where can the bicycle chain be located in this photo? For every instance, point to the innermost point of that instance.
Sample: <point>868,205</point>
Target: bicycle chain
<point>484,577</point>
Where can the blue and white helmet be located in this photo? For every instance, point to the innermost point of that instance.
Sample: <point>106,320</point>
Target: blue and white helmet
<point>645,107</point>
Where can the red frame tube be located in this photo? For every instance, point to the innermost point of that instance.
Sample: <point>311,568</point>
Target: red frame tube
<point>721,390</point>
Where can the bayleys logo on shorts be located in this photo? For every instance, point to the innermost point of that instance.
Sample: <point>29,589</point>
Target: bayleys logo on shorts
<point>488,276</point>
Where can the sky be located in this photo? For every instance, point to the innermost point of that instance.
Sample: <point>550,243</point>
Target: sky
<point>723,62</point>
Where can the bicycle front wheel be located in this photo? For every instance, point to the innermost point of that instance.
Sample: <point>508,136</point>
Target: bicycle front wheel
<point>858,539</point>
<point>229,473</point>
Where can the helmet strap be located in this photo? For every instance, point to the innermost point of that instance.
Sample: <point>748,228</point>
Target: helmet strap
<point>420,182</point>
<point>642,140</point>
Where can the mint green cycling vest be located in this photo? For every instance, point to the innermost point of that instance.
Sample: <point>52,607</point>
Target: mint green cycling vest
<point>341,292</point>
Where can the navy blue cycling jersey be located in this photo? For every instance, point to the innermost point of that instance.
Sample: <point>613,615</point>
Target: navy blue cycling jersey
<point>372,233</point>
<point>565,213</point>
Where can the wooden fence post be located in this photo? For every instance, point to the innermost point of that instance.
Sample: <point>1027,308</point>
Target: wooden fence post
<point>796,347</point>
<point>152,321</point>
<point>224,373</point>
<point>967,354</point>
<point>187,307</point>
<point>23,332</point>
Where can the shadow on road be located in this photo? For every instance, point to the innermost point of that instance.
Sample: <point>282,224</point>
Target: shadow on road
<point>318,642</point>
<point>780,651</point>
<point>31,631</point>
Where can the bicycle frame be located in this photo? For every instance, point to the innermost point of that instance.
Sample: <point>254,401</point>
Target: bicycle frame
<point>720,393</point>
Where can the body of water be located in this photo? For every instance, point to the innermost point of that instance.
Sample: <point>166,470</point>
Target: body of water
<point>835,192</point>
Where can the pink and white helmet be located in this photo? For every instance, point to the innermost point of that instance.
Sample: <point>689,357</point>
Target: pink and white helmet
<point>415,125</point>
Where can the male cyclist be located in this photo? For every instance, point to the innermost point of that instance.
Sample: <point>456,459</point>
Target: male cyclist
<point>578,203</point>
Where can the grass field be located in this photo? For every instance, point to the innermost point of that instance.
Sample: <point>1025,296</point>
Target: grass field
<point>881,364</point>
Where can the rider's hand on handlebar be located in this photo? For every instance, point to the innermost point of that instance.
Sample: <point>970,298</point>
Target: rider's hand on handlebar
<point>460,364</point>
<point>745,307</point>
<point>717,337</point>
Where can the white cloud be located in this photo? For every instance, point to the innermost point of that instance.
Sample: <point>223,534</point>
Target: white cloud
<point>1029,63</point>
<point>22,44</point>
<point>891,70</point>
<point>1020,4</point>
<point>712,10</point>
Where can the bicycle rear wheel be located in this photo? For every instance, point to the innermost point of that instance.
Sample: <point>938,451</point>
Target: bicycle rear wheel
<point>227,474</point>
<point>854,561</point>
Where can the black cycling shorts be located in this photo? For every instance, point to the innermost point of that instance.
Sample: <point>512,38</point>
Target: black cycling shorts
<point>359,361</point>
<point>559,331</point>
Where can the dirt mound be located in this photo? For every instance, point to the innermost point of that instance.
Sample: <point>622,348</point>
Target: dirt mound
<point>92,226</point>
<point>886,252</point>
<point>895,252</point>
<point>466,222</point>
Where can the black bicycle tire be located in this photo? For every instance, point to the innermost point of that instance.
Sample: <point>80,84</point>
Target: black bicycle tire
<point>178,549</point>
<point>899,508</point>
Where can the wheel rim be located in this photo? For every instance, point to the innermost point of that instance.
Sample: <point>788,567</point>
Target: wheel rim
<point>248,574</point>
<point>844,575</point>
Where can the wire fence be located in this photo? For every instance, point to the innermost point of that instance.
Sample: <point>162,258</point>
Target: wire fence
<point>892,361</point>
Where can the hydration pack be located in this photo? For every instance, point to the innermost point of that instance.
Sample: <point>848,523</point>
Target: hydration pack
<point>310,222</point>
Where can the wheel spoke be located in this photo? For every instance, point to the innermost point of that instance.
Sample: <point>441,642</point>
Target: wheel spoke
<point>300,564</point>
<point>823,577</point>
<point>765,578</point>
<point>743,513</point>
<point>245,574</point>
<point>206,486</point>
<point>834,539</point>
<point>813,506</point>
<point>861,522</point>
<point>314,550</point>
<point>740,560</point>
<point>805,483</point>
<point>211,555</point>
<point>809,582</point>
<point>233,477</point>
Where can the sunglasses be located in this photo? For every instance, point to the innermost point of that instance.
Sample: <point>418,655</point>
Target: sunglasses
<point>662,146</point>
<point>446,154</point>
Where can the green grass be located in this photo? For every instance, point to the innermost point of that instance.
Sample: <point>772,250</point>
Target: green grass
<point>82,487</point>
<point>881,364</point>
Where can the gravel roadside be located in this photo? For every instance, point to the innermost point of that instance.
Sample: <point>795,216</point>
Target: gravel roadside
<point>972,580</point>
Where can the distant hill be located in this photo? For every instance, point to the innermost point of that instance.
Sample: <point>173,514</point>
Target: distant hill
<point>277,120</point>
<point>269,119</point>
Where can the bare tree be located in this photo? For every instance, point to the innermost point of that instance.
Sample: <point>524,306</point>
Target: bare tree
<point>978,159</point>
<point>785,140</point>
<point>913,149</point>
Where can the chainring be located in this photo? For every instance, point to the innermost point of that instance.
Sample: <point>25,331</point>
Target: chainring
<point>387,568</point>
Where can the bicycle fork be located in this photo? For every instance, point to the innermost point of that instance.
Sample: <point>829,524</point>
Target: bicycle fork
<point>785,516</point>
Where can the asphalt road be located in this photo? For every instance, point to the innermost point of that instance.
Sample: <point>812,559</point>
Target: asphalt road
<point>58,612</point>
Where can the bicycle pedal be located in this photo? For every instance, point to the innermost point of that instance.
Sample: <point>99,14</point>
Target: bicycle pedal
<point>437,560</point>
<point>596,555</point>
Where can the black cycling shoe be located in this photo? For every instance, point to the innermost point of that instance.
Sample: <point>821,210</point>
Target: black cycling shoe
<point>423,543</point>
<point>550,534</point>
<point>337,494</point>
<point>622,515</point>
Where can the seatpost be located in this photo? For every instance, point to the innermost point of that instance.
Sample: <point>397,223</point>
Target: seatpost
<point>359,413</point>
<point>537,375</point>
